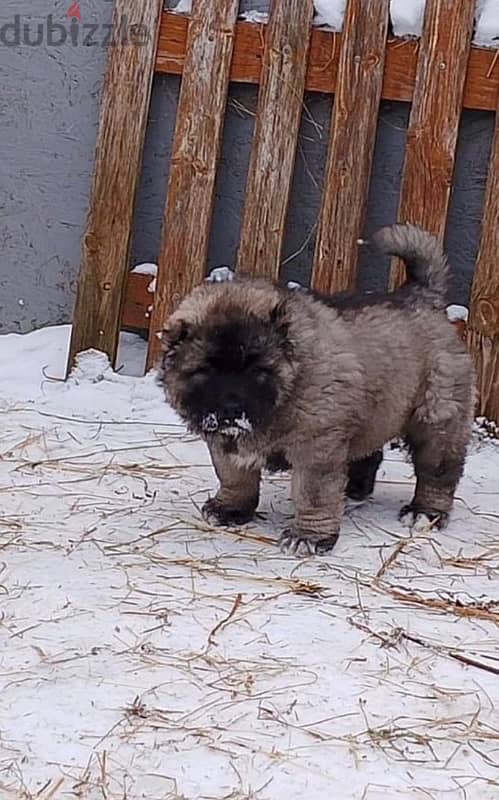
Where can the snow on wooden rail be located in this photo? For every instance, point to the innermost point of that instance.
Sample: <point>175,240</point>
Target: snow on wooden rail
<point>441,74</point>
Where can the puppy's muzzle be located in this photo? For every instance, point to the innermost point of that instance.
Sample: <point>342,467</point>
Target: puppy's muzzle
<point>233,424</point>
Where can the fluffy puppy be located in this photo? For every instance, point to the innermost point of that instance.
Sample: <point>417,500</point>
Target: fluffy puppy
<point>269,376</point>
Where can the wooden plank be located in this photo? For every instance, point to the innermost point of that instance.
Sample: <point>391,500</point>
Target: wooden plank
<point>485,351</point>
<point>483,326</point>
<point>434,120</point>
<point>195,153</point>
<point>275,137</point>
<point>138,302</point>
<point>480,90</point>
<point>351,147</point>
<point>120,139</point>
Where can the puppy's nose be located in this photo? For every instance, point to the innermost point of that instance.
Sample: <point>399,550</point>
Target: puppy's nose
<point>232,408</point>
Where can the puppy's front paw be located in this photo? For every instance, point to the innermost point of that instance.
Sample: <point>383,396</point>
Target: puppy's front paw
<point>216,513</point>
<point>421,520</point>
<point>302,543</point>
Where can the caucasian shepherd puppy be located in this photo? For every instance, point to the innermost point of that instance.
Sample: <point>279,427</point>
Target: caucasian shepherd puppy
<point>276,378</point>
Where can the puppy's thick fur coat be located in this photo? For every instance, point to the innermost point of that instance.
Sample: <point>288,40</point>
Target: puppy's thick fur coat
<point>272,377</point>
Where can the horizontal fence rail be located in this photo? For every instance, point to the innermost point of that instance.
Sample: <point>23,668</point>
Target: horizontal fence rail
<point>480,88</point>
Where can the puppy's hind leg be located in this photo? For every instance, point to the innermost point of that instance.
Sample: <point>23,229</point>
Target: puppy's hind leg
<point>362,476</point>
<point>438,454</point>
<point>237,498</point>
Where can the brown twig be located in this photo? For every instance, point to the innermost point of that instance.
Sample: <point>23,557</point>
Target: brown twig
<point>54,789</point>
<point>223,622</point>
<point>492,64</point>
<point>391,558</point>
<point>470,662</point>
<point>396,552</point>
<point>448,606</point>
<point>391,639</point>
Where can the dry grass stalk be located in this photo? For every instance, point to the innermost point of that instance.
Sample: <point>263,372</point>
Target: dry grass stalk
<point>226,620</point>
<point>485,612</point>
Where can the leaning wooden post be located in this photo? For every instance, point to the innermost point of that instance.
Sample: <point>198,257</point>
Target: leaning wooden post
<point>280,104</point>
<point>122,125</point>
<point>483,326</point>
<point>434,122</point>
<point>351,148</point>
<point>196,148</point>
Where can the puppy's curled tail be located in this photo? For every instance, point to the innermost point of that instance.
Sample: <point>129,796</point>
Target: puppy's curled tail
<point>422,253</point>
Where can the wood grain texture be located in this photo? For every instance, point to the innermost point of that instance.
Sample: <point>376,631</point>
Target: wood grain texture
<point>351,147</point>
<point>195,153</point>
<point>485,351</point>
<point>275,137</point>
<point>483,327</point>
<point>120,139</point>
<point>434,120</point>
<point>138,302</point>
<point>480,90</point>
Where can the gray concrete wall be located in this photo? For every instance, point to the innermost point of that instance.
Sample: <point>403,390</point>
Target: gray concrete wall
<point>48,120</point>
<point>49,98</point>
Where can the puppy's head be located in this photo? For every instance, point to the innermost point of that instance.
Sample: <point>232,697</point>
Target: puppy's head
<point>227,361</point>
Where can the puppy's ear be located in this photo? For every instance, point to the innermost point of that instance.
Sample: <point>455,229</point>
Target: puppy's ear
<point>174,333</point>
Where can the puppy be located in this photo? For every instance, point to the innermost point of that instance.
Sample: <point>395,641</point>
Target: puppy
<point>270,376</point>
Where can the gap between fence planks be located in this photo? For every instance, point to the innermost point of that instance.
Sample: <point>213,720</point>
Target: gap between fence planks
<point>483,328</point>
<point>196,148</point>
<point>351,148</point>
<point>434,120</point>
<point>275,137</point>
<point>120,139</point>
<point>480,91</point>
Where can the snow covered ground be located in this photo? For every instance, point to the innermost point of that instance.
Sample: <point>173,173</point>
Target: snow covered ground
<point>145,655</point>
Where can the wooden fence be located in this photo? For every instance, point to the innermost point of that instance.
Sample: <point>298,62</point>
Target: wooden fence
<point>439,74</point>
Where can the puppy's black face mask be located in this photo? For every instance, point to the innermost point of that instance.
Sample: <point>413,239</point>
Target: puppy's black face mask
<point>234,391</point>
<point>227,375</point>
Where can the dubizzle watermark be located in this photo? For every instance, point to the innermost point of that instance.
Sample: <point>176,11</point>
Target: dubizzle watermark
<point>73,31</point>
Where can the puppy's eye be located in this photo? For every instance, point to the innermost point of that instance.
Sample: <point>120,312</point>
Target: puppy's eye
<point>250,359</point>
<point>200,372</point>
<point>261,375</point>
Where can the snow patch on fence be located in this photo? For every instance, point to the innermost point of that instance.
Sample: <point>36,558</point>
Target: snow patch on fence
<point>407,17</point>
<point>487,23</point>
<point>146,269</point>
